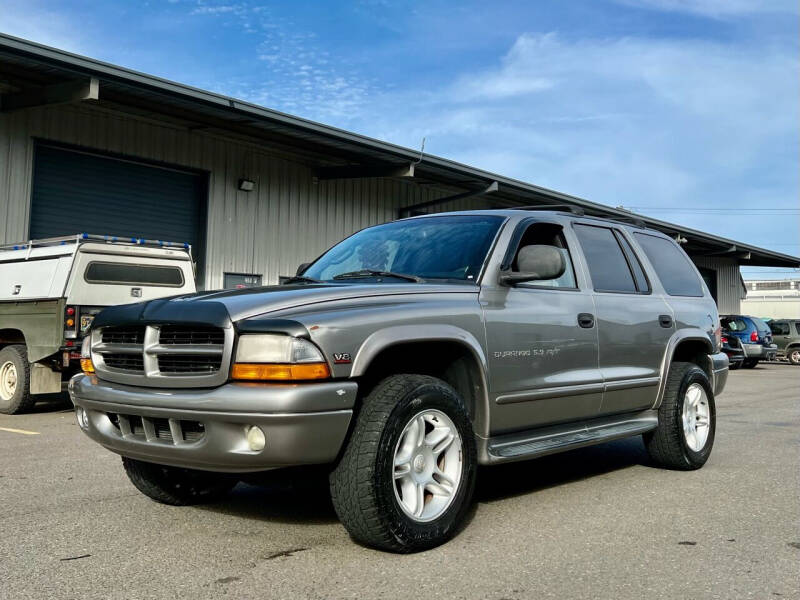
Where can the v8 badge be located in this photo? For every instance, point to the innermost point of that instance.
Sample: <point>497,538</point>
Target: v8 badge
<point>342,358</point>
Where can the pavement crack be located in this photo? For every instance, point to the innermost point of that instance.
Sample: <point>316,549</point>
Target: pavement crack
<point>75,557</point>
<point>282,553</point>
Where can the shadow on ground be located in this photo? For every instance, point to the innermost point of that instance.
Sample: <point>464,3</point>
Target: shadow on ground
<point>301,495</point>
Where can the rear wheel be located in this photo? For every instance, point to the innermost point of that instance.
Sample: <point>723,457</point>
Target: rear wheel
<point>793,355</point>
<point>176,486</point>
<point>15,380</point>
<point>750,363</point>
<point>686,420</point>
<point>405,480</point>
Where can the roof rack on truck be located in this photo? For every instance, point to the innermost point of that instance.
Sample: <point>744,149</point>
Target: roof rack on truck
<point>85,237</point>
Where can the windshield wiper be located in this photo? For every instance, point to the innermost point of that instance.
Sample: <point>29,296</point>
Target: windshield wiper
<point>373,273</point>
<point>299,279</point>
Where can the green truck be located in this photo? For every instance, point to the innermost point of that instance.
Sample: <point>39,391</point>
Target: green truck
<point>50,292</point>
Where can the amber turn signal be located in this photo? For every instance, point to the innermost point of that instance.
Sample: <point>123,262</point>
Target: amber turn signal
<point>87,366</point>
<point>280,372</point>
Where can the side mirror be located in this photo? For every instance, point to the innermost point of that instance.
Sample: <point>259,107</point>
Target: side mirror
<point>302,268</point>
<point>536,263</point>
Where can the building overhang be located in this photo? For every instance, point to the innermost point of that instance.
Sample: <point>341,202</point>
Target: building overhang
<point>35,74</point>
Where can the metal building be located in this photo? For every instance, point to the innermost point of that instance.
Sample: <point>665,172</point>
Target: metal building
<point>89,146</point>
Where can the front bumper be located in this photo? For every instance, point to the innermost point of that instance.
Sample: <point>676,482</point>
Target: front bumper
<point>719,372</point>
<point>303,423</point>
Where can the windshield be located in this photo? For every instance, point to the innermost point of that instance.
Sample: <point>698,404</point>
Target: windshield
<point>452,247</point>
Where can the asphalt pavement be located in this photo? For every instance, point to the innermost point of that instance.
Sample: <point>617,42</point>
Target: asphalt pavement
<point>598,522</point>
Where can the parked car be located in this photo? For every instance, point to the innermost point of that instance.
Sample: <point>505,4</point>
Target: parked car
<point>51,290</point>
<point>406,356</point>
<point>732,347</point>
<point>755,337</point>
<point>786,334</point>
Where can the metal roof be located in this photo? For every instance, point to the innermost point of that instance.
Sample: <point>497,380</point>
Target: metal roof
<point>322,145</point>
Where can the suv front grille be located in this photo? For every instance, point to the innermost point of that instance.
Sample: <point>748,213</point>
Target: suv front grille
<point>123,335</point>
<point>191,335</point>
<point>189,363</point>
<point>163,355</point>
<point>125,362</point>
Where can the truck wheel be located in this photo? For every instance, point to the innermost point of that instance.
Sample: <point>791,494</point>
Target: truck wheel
<point>15,380</point>
<point>750,363</point>
<point>687,420</point>
<point>405,480</point>
<point>794,355</point>
<point>176,486</point>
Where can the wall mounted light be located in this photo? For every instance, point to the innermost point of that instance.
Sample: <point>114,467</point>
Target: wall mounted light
<point>247,185</point>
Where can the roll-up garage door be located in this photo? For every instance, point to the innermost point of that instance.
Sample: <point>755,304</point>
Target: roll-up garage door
<point>76,192</point>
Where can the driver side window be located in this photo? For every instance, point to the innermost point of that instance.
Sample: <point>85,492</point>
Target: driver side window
<point>547,234</point>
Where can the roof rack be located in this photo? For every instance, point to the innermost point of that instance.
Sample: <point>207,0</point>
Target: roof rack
<point>575,210</point>
<point>85,237</point>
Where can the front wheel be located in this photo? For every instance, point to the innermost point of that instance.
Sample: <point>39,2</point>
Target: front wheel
<point>687,420</point>
<point>176,486</point>
<point>405,480</point>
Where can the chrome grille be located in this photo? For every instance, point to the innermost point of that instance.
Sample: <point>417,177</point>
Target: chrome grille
<point>125,362</point>
<point>123,335</point>
<point>167,355</point>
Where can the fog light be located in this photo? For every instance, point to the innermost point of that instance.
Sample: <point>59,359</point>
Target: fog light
<point>82,417</point>
<point>256,438</point>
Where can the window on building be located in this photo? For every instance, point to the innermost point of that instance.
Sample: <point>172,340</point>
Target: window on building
<point>608,266</point>
<point>676,272</point>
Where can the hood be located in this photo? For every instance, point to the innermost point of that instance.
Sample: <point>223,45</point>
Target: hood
<point>220,308</point>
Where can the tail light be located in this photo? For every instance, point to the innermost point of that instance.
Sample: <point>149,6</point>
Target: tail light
<point>754,336</point>
<point>70,322</point>
<point>723,339</point>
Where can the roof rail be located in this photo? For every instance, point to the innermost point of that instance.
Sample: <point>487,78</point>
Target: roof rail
<point>575,210</point>
<point>87,237</point>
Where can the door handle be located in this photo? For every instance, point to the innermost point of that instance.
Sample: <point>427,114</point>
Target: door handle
<point>665,321</point>
<point>586,320</point>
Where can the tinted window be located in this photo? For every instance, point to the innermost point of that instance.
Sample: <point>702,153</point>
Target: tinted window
<point>797,327</point>
<point>760,325</point>
<point>638,272</point>
<point>734,324</point>
<point>676,272</point>
<point>779,328</point>
<point>607,264</point>
<point>428,247</point>
<point>127,274</point>
<point>548,234</point>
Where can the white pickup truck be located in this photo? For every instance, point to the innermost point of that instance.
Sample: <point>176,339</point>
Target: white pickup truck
<point>51,290</point>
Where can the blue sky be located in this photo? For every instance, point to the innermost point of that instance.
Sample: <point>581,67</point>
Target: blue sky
<point>679,109</point>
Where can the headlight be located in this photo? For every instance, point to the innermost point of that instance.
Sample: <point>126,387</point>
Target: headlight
<point>267,357</point>
<point>87,366</point>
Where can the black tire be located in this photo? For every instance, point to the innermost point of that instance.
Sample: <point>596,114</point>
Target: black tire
<point>362,484</point>
<point>666,444</point>
<point>20,400</point>
<point>176,486</point>
<point>793,355</point>
<point>750,363</point>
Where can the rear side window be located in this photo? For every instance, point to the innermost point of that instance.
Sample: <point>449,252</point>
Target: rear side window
<point>779,328</point>
<point>797,327</point>
<point>760,325</point>
<point>673,267</point>
<point>607,264</point>
<point>129,274</point>
<point>636,267</point>
<point>734,324</point>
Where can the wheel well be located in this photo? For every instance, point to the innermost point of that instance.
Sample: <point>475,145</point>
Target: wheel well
<point>11,336</point>
<point>694,351</point>
<point>451,362</point>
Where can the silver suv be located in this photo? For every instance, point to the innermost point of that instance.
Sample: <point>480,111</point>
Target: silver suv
<point>406,356</point>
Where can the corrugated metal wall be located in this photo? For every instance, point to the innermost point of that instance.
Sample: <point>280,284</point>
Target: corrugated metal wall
<point>287,219</point>
<point>729,282</point>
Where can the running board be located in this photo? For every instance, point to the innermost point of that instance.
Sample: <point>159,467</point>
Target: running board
<point>549,440</point>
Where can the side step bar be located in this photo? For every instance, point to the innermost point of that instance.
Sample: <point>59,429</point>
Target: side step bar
<point>549,440</point>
